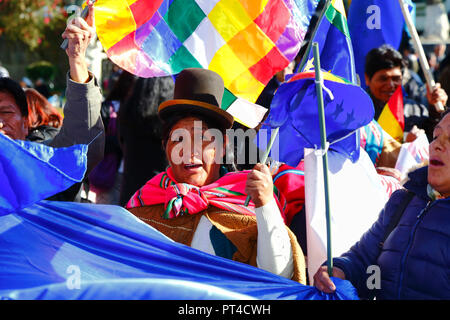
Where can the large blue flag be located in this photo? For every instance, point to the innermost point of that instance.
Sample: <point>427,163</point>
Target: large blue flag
<point>373,23</point>
<point>64,250</point>
<point>67,250</point>
<point>32,171</point>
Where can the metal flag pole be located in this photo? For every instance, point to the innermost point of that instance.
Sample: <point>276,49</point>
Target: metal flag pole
<point>419,49</point>
<point>83,15</point>
<point>323,142</point>
<point>265,155</point>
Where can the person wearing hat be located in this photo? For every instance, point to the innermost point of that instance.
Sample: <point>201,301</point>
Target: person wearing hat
<point>197,202</point>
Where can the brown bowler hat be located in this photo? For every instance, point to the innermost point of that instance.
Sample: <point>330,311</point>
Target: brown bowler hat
<point>200,91</point>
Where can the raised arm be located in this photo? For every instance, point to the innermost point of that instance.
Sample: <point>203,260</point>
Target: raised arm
<point>82,121</point>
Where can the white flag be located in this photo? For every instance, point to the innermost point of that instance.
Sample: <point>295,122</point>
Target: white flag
<point>356,198</point>
<point>412,154</point>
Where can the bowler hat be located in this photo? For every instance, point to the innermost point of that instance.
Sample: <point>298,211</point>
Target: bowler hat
<point>197,91</point>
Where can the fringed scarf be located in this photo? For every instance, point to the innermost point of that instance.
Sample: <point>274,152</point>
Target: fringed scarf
<point>227,193</point>
<point>181,198</point>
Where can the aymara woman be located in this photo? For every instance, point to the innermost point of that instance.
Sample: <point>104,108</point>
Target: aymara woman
<point>197,202</point>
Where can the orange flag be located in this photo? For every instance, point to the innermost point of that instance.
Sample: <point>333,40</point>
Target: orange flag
<point>392,119</point>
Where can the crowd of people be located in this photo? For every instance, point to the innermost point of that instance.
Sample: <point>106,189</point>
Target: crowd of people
<point>145,155</point>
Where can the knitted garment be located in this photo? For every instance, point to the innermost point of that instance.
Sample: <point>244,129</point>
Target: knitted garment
<point>241,230</point>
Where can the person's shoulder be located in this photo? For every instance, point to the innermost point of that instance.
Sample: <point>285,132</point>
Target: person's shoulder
<point>42,134</point>
<point>398,195</point>
<point>417,181</point>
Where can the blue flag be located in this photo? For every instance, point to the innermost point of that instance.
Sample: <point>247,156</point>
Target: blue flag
<point>373,23</point>
<point>335,46</point>
<point>66,250</point>
<point>294,110</point>
<point>32,171</point>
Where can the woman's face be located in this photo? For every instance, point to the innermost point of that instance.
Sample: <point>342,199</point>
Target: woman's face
<point>195,152</point>
<point>439,167</point>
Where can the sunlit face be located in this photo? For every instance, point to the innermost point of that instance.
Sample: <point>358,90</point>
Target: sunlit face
<point>383,83</point>
<point>194,152</point>
<point>439,167</point>
<point>12,123</point>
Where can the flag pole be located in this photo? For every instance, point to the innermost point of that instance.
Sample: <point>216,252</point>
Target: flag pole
<point>313,35</point>
<point>266,154</point>
<point>323,141</point>
<point>83,15</point>
<point>419,49</point>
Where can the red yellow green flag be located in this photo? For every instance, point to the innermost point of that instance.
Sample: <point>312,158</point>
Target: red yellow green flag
<point>392,119</point>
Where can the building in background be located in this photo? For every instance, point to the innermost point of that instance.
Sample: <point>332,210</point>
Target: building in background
<point>432,20</point>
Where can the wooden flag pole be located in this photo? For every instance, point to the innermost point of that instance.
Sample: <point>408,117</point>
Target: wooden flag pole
<point>323,142</point>
<point>419,49</point>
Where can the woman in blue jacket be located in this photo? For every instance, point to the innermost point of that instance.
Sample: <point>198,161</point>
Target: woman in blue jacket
<point>414,259</point>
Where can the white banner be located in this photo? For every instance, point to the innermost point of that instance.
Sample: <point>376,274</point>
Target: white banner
<point>356,199</point>
<point>412,154</point>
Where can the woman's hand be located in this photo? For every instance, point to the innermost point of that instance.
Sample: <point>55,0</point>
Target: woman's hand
<point>437,95</point>
<point>322,280</point>
<point>259,185</point>
<point>79,33</point>
<point>414,134</point>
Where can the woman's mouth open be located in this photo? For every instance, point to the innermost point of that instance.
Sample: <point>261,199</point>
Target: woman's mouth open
<point>436,163</point>
<point>192,166</point>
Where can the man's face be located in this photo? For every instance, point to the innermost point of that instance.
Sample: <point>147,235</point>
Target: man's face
<point>12,122</point>
<point>383,83</point>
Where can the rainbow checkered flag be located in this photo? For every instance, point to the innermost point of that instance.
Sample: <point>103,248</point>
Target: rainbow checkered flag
<point>245,41</point>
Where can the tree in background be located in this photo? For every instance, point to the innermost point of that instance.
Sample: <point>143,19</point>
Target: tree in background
<point>29,21</point>
<point>30,31</point>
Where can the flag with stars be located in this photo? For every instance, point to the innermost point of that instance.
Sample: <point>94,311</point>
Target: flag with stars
<point>294,107</point>
<point>245,41</point>
<point>294,110</point>
<point>335,45</point>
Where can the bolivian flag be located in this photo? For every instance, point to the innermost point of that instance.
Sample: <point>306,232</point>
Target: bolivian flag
<point>392,118</point>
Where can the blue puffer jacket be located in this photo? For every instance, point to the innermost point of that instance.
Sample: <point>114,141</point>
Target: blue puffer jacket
<point>415,258</point>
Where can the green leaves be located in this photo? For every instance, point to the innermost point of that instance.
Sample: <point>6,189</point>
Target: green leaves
<point>28,21</point>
